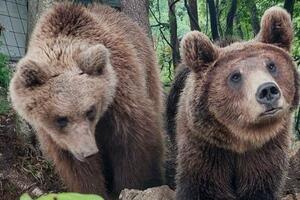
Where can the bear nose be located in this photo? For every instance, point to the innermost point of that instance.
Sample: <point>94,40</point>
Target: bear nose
<point>267,93</point>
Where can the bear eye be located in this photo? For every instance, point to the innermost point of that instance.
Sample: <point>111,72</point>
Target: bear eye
<point>61,122</point>
<point>271,67</point>
<point>236,77</point>
<point>91,113</point>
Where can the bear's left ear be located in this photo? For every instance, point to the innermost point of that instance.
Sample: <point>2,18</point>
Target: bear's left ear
<point>276,28</point>
<point>197,51</point>
<point>93,59</point>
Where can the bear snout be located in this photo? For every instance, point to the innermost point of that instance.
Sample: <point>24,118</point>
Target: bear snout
<point>268,94</point>
<point>82,156</point>
<point>90,153</point>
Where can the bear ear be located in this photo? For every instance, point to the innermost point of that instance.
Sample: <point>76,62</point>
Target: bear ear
<point>31,74</point>
<point>197,51</point>
<point>276,28</point>
<point>93,59</point>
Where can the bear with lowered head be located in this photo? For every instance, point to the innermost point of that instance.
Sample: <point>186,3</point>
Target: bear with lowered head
<point>234,117</point>
<point>89,85</point>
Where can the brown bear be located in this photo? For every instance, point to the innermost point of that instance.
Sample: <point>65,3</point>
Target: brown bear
<point>234,117</point>
<point>89,85</point>
<point>182,72</point>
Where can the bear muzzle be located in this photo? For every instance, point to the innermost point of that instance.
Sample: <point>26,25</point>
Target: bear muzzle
<point>82,144</point>
<point>86,153</point>
<point>268,94</point>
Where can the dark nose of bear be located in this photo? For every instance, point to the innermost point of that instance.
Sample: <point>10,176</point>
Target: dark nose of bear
<point>268,94</point>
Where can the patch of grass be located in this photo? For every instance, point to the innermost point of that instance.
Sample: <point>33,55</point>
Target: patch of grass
<point>34,165</point>
<point>5,76</point>
<point>4,105</point>
<point>5,72</point>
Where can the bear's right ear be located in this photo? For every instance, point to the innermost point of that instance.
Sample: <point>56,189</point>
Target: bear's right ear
<point>197,51</point>
<point>276,28</point>
<point>30,74</point>
<point>93,59</point>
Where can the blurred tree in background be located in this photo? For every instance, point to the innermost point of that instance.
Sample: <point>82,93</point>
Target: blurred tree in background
<point>219,19</point>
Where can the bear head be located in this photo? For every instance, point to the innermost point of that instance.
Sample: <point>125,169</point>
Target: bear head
<point>62,88</point>
<point>248,87</point>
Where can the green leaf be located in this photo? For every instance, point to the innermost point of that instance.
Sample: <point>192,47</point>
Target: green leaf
<point>25,197</point>
<point>64,196</point>
<point>70,196</point>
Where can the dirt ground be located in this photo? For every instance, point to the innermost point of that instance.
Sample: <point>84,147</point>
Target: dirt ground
<point>22,167</point>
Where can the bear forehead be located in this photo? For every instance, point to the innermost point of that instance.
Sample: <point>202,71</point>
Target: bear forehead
<point>58,54</point>
<point>80,82</point>
<point>69,91</point>
<point>244,50</point>
<point>78,90</point>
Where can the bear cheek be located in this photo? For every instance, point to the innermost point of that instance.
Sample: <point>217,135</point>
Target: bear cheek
<point>251,110</point>
<point>223,104</point>
<point>237,109</point>
<point>61,143</point>
<point>288,89</point>
<point>46,131</point>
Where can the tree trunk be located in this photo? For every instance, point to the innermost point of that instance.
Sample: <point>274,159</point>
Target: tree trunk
<point>218,10</point>
<point>254,18</point>
<point>213,19</point>
<point>173,33</point>
<point>239,27</point>
<point>138,10</point>
<point>289,6</point>
<point>192,8</point>
<point>35,9</point>
<point>230,18</point>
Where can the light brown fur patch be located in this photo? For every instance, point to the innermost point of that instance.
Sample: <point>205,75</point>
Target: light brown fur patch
<point>84,60</point>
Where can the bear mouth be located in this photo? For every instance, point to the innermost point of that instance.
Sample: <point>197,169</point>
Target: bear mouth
<point>271,112</point>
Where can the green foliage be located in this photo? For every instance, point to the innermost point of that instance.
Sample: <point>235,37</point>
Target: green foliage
<point>4,72</point>
<point>159,21</point>
<point>4,105</point>
<point>64,196</point>
<point>5,75</point>
<point>25,197</point>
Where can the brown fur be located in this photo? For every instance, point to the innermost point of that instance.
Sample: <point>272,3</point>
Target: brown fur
<point>226,150</point>
<point>96,63</point>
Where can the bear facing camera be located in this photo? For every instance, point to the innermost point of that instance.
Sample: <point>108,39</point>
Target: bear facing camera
<point>234,118</point>
<point>89,85</point>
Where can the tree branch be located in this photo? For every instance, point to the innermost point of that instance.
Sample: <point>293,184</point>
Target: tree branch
<point>192,17</point>
<point>160,27</point>
<point>172,4</point>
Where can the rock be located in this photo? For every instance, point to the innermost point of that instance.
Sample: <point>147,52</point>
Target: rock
<point>35,9</point>
<point>156,193</point>
<point>25,131</point>
<point>292,197</point>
